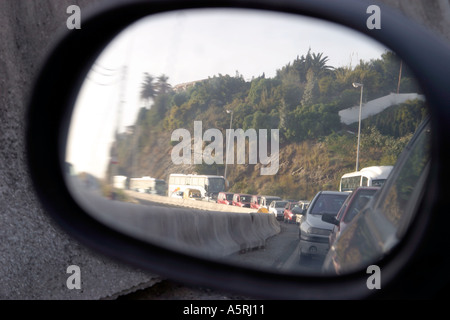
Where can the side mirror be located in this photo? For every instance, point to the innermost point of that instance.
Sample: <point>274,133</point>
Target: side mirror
<point>185,243</point>
<point>330,219</point>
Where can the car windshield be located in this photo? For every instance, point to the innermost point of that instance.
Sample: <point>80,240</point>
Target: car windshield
<point>245,198</point>
<point>229,196</point>
<point>281,204</point>
<point>328,204</point>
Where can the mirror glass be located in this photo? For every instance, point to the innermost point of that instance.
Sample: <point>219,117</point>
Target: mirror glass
<point>228,134</point>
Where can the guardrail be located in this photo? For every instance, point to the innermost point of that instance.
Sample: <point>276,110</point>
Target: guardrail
<point>187,203</point>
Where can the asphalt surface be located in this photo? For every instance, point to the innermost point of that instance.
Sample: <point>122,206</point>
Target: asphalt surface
<point>281,253</point>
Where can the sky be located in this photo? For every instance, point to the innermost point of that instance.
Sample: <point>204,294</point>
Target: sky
<point>190,46</point>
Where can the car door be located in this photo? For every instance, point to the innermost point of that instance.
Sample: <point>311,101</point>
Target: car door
<point>381,225</point>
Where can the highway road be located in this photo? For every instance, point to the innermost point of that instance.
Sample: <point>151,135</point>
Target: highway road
<point>281,252</point>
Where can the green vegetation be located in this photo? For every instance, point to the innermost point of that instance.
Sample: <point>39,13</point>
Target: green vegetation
<point>302,101</point>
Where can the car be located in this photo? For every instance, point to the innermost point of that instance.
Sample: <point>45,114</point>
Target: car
<point>276,207</point>
<point>225,198</point>
<point>303,204</point>
<point>313,232</point>
<point>255,202</point>
<point>351,207</point>
<point>265,201</point>
<point>241,200</point>
<point>290,212</point>
<point>383,223</point>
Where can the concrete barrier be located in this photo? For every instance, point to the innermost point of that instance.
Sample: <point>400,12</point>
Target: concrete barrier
<point>189,226</point>
<point>187,203</point>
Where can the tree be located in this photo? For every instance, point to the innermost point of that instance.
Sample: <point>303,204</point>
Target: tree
<point>148,90</point>
<point>318,64</point>
<point>312,91</point>
<point>162,86</point>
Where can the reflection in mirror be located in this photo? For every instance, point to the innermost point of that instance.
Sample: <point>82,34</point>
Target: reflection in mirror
<point>225,134</point>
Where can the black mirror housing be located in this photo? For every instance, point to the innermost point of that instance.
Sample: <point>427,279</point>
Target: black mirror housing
<point>59,81</point>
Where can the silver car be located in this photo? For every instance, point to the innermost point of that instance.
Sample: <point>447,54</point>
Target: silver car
<point>277,208</point>
<point>313,232</point>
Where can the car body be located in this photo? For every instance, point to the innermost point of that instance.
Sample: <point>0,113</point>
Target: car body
<point>255,202</point>
<point>386,218</point>
<point>291,210</point>
<point>241,200</point>
<point>351,207</point>
<point>265,201</point>
<point>303,204</point>
<point>276,207</point>
<point>313,232</point>
<point>225,198</point>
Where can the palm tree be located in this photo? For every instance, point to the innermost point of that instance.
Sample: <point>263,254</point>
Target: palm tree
<point>316,62</point>
<point>162,85</point>
<point>148,90</point>
<point>319,64</point>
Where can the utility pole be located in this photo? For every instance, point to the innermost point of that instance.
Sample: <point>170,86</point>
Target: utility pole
<point>228,141</point>
<point>399,77</point>
<point>356,85</point>
<point>114,155</point>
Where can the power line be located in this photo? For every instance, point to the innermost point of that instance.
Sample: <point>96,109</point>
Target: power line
<point>104,72</point>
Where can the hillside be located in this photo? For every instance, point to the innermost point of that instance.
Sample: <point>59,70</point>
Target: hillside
<point>302,102</point>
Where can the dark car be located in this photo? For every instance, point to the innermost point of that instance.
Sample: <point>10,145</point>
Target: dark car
<point>376,230</point>
<point>351,207</point>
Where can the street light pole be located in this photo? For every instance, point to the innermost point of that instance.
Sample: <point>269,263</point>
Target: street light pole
<point>228,142</point>
<point>356,85</point>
